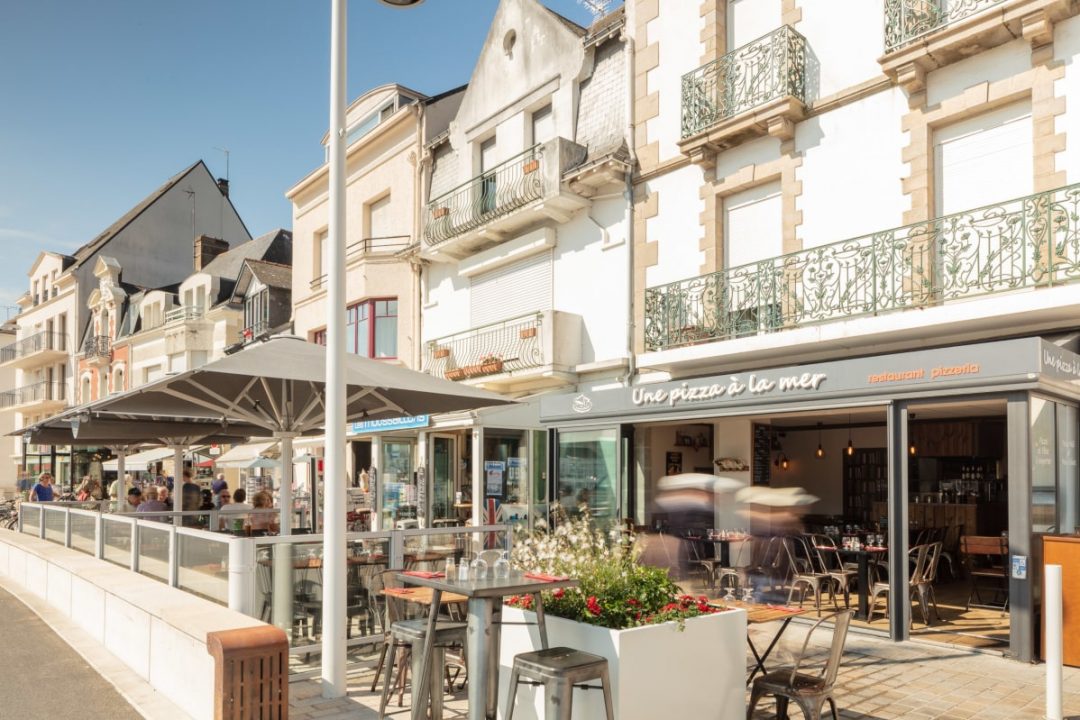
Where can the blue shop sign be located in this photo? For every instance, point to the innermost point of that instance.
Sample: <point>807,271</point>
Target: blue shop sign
<point>387,424</point>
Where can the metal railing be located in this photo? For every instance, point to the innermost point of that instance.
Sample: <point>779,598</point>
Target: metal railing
<point>183,314</point>
<point>253,331</point>
<point>488,196</point>
<point>97,346</point>
<point>769,68</point>
<point>909,20</point>
<point>1028,242</point>
<point>38,342</point>
<point>33,393</point>
<point>364,247</point>
<point>507,346</point>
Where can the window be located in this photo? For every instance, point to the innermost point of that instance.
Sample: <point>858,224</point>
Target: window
<point>748,20</point>
<point>380,223</point>
<point>320,259</point>
<point>543,125</point>
<point>370,329</point>
<point>257,311</point>
<point>753,225</point>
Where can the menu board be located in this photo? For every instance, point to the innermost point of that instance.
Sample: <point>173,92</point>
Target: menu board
<point>761,462</point>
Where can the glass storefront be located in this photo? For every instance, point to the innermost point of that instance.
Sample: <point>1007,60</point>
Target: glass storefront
<point>396,475</point>
<point>588,472</point>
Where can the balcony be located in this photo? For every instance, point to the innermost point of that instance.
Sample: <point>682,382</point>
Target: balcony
<point>757,89</point>
<point>38,349</point>
<point>253,332</point>
<point>525,190</point>
<point>183,313</point>
<point>922,35</point>
<point>97,350</point>
<point>37,397</point>
<point>1026,243</point>
<point>369,248</point>
<point>530,352</point>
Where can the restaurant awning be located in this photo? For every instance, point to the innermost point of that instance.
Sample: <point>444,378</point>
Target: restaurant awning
<point>139,460</point>
<point>241,456</point>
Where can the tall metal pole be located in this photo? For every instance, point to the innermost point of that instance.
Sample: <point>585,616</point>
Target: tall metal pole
<point>333,639</point>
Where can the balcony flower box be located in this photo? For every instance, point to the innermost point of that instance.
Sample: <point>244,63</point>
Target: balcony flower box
<point>455,374</point>
<point>648,679</point>
<point>526,333</point>
<point>440,212</point>
<point>440,353</point>
<point>530,167</point>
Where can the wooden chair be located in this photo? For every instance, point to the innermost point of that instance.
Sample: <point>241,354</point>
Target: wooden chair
<point>810,691</point>
<point>986,562</point>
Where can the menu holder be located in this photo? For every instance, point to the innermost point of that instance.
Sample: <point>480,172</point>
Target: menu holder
<point>544,577</point>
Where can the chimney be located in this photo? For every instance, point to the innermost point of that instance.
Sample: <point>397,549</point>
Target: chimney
<point>223,186</point>
<point>206,249</point>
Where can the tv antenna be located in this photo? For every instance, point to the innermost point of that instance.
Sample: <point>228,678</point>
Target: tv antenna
<point>598,8</point>
<point>225,151</point>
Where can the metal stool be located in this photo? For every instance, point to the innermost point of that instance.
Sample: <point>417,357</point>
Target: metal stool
<point>412,633</point>
<point>559,670</point>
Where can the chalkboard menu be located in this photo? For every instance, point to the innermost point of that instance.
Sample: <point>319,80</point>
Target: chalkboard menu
<point>761,463</point>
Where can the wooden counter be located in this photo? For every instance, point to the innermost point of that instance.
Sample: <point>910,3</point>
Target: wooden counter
<point>1064,550</point>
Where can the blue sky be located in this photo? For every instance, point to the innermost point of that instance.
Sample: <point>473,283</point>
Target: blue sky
<point>101,102</point>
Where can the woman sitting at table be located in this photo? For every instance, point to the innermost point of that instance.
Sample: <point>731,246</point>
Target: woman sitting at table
<point>264,520</point>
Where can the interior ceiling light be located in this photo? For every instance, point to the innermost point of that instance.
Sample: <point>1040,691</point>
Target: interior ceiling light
<point>850,446</point>
<point>820,452</point>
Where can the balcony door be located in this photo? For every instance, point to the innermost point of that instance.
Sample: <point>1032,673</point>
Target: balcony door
<point>488,187</point>
<point>748,20</point>
<point>443,463</point>
<point>749,300</point>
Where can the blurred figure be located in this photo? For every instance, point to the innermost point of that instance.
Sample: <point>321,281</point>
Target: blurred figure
<point>134,499</point>
<point>264,520</point>
<point>218,487</point>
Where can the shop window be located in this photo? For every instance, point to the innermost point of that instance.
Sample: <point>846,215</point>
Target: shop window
<point>588,472</point>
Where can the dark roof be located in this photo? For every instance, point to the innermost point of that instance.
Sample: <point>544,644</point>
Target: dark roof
<point>271,274</point>
<point>87,251</point>
<point>228,264</point>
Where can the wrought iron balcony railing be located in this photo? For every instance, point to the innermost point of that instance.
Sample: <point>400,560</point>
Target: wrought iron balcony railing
<point>183,314</point>
<point>908,20</point>
<point>769,68</point>
<point>38,342</point>
<point>497,192</point>
<point>369,246</point>
<point>516,344</point>
<point>1028,242</point>
<point>97,346</point>
<point>254,331</point>
<point>33,393</point>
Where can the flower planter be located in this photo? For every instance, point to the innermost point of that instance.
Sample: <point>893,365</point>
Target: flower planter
<point>656,671</point>
<point>489,367</point>
<point>455,374</point>
<point>441,353</point>
<point>526,333</point>
<point>530,167</point>
<point>440,212</point>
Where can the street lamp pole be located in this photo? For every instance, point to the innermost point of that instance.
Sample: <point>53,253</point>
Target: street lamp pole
<point>334,507</point>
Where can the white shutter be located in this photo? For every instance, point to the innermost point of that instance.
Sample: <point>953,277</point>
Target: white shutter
<point>381,223</point>
<point>487,155</point>
<point>983,160</point>
<point>543,125</point>
<point>512,290</point>
<point>748,20</point>
<point>753,225</point>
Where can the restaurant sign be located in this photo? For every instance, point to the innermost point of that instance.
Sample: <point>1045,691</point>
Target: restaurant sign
<point>961,366</point>
<point>387,424</point>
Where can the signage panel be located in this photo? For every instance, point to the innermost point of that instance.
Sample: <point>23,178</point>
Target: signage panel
<point>408,422</point>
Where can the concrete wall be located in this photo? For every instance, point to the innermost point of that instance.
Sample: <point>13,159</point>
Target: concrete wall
<point>676,30</point>
<point>1067,51</point>
<point>157,631</point>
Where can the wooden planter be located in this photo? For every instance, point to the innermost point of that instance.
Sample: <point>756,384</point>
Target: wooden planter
<point>440,212</point>
<point>530,167</point>
<point>526,333</point>
<point>490,367</point>
<point>455,374</point>
<point>440,353</point>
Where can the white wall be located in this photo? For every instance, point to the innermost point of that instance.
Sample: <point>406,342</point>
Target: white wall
<point>852,169</point>
<point>1067,50</point>
<point>989,66</point>
<point>676,227</point>
<point>834,66</point>
<point>677,30</point>
<point>825,477</point>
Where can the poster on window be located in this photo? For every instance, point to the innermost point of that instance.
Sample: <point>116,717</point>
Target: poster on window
<point>494,470</point>
<point>674,463</point>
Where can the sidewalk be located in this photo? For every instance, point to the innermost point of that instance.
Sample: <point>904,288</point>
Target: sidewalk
<point>879,680</point>
<point>44,677</point>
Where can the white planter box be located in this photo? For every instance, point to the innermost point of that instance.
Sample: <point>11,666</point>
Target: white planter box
<point>656,671</point>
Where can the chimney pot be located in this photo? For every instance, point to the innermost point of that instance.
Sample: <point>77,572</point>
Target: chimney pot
<point>206,249</point>
<point>223,186</point>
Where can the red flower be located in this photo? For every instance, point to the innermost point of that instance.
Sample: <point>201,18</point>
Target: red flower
<point>527,601</point>
<point>702,599</point>
<point>559,593</point>
<point>670,606</point>
<point>514,600</point>
<point>593,605</point>
<point>633,602</point>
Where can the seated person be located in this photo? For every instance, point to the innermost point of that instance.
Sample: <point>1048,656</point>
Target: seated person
<point>264,520</point>
<point>232,511</point>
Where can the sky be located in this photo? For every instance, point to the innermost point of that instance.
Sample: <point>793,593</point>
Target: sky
<point>101,102</point>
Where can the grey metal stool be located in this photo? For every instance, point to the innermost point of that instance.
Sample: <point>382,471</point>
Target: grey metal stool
<point>412,633</point>
<point>559,670</point>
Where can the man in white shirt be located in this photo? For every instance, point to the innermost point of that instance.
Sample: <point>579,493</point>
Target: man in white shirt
<point>231,511</point>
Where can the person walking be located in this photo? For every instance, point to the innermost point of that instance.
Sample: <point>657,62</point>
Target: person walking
<point>218,487</point>
<point>43,489</point>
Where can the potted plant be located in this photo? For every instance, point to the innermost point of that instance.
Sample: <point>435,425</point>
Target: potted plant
<point>635,616</point>
<point>491,364</point>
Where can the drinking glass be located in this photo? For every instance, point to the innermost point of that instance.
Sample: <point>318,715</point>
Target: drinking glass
<point>478,569</point>
<point>451,569</point>
<point>502,566</point>
<point>748,594</point>
<point>729,596</point>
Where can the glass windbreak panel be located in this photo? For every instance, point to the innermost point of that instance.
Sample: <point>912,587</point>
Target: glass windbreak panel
<point>117,540</point>
<point>204,566</point>
<point>154,552</point>
<point>54,525</point>
<point>83,532</point>
<point>288,585</point>
<point>399,492</point>
<point>31,520</point>
<point>431,551</point>
<point>1043,466</point>
<point>442,479</point>
<point>588,472</point>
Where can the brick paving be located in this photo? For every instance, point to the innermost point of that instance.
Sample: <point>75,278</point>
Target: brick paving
<point>879,680</point>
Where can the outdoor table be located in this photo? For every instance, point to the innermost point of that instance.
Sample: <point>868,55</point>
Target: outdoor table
<point>863,557</point>
<point>484,617</point>
<point>757,614</point>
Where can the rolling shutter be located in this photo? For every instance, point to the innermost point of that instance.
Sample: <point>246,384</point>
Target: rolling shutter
<point>753,225</point>
<point>512,290</point>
